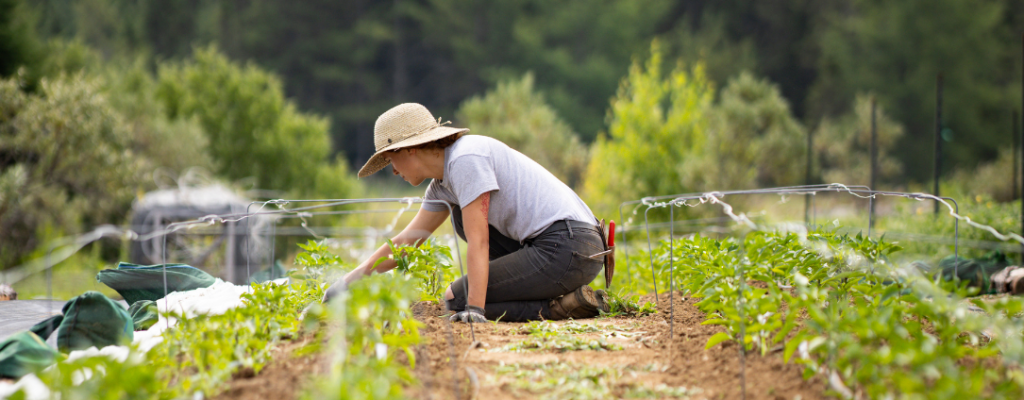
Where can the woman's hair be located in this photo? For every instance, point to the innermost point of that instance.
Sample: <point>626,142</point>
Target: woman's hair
<point>439,144</point>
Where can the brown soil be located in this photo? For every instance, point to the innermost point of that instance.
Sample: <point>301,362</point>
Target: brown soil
<point>445,352</point>
<point>679,362</point>
<point>282,379</point>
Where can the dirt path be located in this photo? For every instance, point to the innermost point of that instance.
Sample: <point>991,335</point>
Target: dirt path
<point>282,379</point>
<point>647,359</point>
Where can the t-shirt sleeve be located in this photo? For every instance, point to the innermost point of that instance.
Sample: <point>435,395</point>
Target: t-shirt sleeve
<point>471,176</point>
<point>434,192</point>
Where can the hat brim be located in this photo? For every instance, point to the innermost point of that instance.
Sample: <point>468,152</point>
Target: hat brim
<point>377,162</point>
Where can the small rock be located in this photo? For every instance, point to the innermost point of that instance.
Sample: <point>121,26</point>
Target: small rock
<point>7,292</point>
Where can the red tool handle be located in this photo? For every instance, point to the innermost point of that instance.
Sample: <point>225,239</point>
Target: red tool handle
<point>611,233</point>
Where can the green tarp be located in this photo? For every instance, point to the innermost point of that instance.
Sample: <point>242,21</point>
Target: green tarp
<point>92,319</point>
<point>23,353</point>
<point>89,320</point>
<point>976,271</point>
<point>146,282</point>
<point>144,314</point>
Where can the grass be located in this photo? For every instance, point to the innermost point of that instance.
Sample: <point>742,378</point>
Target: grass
<point>567,380</point>
<point>549,336</point>
<point>71,278</point>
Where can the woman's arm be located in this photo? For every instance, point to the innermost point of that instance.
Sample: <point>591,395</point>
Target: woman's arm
<point>419,229</point>
<point>474,219</point>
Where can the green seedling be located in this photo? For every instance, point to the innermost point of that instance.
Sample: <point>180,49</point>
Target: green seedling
<point>628,306</point>
<point>428,263</point>
<point>548,328</point>
<point>564,380</point>
<point>840,307</point>
<point>559,344</point>
<point>200,354</point>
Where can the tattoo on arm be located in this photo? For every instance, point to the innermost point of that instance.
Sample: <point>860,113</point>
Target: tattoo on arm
<point>485,204</point>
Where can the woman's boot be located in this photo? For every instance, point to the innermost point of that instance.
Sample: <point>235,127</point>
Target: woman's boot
<point>581,303</point>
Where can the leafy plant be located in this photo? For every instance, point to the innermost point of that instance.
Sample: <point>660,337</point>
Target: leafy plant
<point>547,335</point>
<point>628,306</point>
<point>429,263</point>
<point>838,305</point>
<point>548,328</point>
<point>200,354</point>
<point>564,380</point>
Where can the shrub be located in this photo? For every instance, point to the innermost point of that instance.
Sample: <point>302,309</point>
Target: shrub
<point>517,115</point>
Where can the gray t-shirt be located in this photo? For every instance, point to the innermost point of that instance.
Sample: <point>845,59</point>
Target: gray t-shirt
<point>526,198</point>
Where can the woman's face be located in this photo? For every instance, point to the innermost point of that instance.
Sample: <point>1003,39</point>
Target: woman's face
<point>404,163</point>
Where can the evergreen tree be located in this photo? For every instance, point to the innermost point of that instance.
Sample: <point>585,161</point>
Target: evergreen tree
<point>897,50</point>
<point>19,45</point>
<point>519,116</point>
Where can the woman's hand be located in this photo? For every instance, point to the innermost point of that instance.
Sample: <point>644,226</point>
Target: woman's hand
<point>471,314</point>
<point>419,229</point>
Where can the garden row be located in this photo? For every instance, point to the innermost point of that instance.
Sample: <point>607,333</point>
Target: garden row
<point>199,355</point>
<point>837,305</point>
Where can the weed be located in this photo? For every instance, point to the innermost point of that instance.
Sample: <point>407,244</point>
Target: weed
<point>560,344</point>
<point>628,306</point>
<point>564,380</point>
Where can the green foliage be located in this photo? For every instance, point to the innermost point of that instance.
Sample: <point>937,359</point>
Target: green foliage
<point>315,260</point>
<point>896,49</point>
<point>560,344</point>
<point>656,135</point>
<point>19,44</point>
<point>987,179</point>
<point>171,144</point>
<point>842,146</point>
<point>358,58</point>
<point>429,263</point>
<point>368,324</point>
<point>918,218</point>
<point>67,161</point>
<point>200,354</point>
<point>882,329</point>
<point>754,138</point>
<point>517,115</point>
<point>75,152</point>
<point>197,355</point>
<point>707,38</point>
<point>374,314</point>
<point>548,336</point>
<point>628,305</point>
<point>254,132</point>
<point>104,378</point>
<point>578,51</point>
<point>209,349</point>
<point>563,380</point>
<point>548,328</point>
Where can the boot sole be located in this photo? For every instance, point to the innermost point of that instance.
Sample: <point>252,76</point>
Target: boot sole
<point>602,301</point>
<point>589,303</point>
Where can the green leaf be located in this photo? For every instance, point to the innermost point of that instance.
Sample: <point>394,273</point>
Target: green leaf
<point>716,339</point>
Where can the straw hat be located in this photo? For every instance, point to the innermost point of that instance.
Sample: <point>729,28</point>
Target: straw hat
<point>405,125</point>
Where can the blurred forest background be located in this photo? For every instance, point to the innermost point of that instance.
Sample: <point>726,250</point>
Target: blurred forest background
<point>619,98</point>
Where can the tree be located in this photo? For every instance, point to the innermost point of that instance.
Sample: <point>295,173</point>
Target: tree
<point>753,137</point>
<point>656,136</point>
<point>518,116</point>
<point>65,162</point>
<point>897,49</point>
<point>842,146</point>
<point>253,131</point>
<point>19,45</point>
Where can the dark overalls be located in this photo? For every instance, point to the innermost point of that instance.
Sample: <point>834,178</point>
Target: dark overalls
<point>525,277</point>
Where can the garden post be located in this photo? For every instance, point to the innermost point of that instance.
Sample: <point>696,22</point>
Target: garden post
<point>938,137</point>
